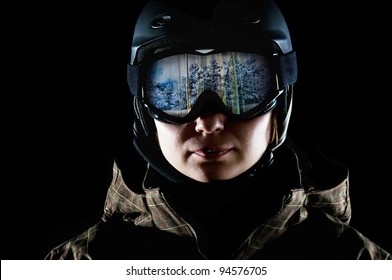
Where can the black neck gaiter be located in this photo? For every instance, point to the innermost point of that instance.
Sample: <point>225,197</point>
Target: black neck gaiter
<point>224,213</point>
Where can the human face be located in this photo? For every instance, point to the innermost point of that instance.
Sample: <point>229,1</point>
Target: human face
<point>213,146</point>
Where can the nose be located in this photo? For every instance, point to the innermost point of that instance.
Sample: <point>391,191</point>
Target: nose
<point>209,123</point>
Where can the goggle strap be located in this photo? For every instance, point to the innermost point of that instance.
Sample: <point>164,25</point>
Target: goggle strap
<point>134,81</point>
<point>286,63</point>
<point>288,69</point>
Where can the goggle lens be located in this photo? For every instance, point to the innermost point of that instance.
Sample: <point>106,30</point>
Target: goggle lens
<point>242,81</point>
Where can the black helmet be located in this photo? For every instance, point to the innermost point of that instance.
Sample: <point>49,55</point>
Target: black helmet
<point>164,29</point>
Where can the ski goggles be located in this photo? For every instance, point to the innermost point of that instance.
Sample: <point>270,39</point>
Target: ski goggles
<point>179,87</point>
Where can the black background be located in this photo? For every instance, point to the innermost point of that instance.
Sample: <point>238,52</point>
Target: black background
<point>67,111</point>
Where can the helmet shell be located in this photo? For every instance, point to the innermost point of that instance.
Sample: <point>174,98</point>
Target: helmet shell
<point>232,24</point>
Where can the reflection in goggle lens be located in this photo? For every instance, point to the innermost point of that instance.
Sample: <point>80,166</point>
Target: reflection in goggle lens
<point>241,80</point>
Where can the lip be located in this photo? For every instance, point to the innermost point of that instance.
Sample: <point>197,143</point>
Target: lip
<point>212,153</point>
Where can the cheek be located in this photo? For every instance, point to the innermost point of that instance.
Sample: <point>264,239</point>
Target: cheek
<point>165,137</point>
<point>170,138</point>
<point>257,136</point>
<point>263,131</point>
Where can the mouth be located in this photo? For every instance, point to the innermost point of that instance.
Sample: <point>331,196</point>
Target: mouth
<point>212,153</point>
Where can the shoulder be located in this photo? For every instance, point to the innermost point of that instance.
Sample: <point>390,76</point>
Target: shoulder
<point>316,169</point>
<point>98,242</point>
<point>328,237</point>
<point>75,248</point>
<point>327,206</point>
<point>120,239</point>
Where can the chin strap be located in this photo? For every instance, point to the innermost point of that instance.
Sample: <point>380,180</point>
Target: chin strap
<point>283,109</point>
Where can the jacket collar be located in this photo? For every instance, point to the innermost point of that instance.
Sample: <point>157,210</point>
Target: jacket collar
<point>150,209</point>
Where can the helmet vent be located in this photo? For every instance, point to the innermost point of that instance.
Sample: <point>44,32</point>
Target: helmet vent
<point>252,20</point>
<point>161,21</point>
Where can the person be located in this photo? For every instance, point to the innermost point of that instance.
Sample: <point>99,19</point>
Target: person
<point>212,103</point>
